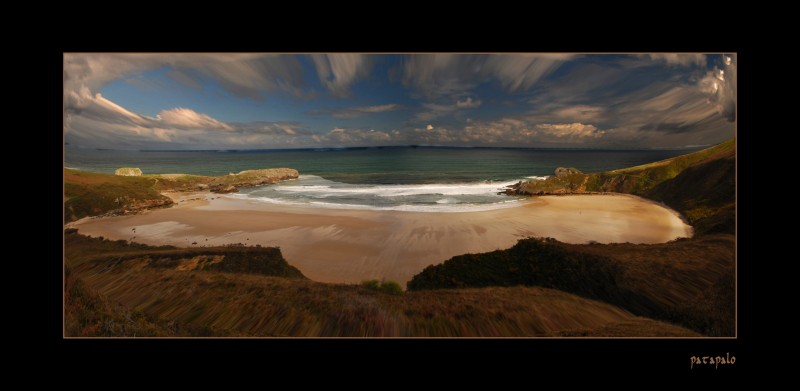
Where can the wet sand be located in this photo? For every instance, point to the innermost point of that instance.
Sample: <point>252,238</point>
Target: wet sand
<point>343,245</point>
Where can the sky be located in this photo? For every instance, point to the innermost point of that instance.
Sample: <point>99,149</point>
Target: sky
<point>191,101</point>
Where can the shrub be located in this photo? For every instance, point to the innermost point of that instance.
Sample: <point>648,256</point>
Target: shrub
<point>371,284</point>
<point>390,287</point>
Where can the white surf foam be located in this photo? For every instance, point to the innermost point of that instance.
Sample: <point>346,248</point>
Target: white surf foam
<point>338,188</point>
<point>439,208</point>
<point>318,192</point>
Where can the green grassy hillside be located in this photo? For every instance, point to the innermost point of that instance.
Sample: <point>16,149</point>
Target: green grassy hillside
<point>699,185</point>
<point>705,193</point>
<point>92,194</point>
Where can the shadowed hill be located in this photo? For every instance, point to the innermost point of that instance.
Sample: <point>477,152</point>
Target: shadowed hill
<point>689,281</point>
<point>705,193</point>
<point>118,289</point>
<point>87,252</point>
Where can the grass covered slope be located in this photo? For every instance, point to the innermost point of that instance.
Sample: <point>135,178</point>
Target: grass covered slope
<point>699,185</point>
<point>224,183</point>
<point>688,282</point>
<point>81,251</point>
<point>92,194</point>
<point>705,193</point>
<point>119,289</point>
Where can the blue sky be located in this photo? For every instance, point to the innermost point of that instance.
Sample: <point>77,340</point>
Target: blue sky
<point>224,101</point>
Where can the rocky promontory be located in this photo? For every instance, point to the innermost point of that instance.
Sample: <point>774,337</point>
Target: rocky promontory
<point>131,191</point>
<point>225,183</point>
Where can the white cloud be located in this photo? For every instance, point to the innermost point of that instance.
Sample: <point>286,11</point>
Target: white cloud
<point>183,118</point>
<point>719,87</point>
<point>680,106</point>
<point>521,71</point>
<point>358,111</point>
<point>247,75</point>
<point>468,103</point>
<point>102,122</point>
<point>436,110</point>
<point>437,75</point>
<point>354,137</point>
<point>339,71</point>
<point>579,113</point>
<point>709,105</point>
<point>682,59</point>
<point>504,132</point>
<point>96,121</point>
<point>244,74</point>
<point>575,130</point>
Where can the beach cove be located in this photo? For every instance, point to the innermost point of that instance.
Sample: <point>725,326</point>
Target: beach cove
<point>352,245</point>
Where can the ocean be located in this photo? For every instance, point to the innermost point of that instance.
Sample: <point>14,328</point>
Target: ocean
<point>388,178</point>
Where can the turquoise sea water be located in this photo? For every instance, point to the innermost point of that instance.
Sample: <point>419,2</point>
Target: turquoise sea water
<point>392,178</point>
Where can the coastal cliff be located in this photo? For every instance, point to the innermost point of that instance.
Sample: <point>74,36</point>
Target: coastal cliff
<point>700,185</point>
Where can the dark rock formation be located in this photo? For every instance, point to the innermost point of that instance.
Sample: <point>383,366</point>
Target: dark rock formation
<point>564,171</point>
<point>222,189</point>
<point>515,189</point>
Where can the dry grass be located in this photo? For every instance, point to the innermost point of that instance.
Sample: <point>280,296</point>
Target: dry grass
<point>688,282</point>
<point>115,281</point>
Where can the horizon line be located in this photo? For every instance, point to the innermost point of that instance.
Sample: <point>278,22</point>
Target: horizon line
<point>340,148</point>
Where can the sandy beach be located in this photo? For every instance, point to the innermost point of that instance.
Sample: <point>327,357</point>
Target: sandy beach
<point>343,245</point>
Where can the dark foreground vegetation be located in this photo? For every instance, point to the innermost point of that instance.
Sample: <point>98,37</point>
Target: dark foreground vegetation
<point>117,289</point>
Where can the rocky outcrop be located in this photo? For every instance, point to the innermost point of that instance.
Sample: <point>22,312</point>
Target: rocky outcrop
<point>140,205</point>
<point>222,189</point>
<point>564,171</point>
<point>133,206</point>
<point>128,171</point>
<point>515,189</point>
<point>248,178</point>
<point>223,184</point>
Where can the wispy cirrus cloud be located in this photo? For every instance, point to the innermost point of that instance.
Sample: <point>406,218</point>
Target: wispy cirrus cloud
<point>436,75</point>
<point>681,59</point>
<point>339,71</point>
<point>431,111</point>
<point>356,111</point>
<point>300,100</point>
